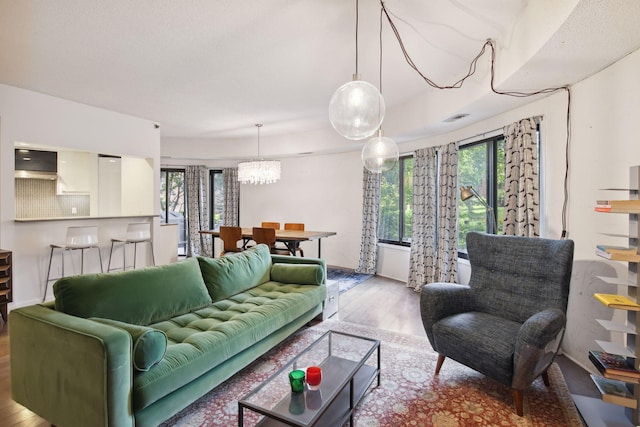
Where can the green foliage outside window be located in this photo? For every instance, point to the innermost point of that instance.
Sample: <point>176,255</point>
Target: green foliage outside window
<point>476,168</point>
<point>396,201</point>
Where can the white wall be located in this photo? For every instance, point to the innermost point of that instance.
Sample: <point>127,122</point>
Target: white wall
<point>36,118</point>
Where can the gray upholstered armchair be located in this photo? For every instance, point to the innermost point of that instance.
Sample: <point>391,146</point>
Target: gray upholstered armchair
<point>509,321</point>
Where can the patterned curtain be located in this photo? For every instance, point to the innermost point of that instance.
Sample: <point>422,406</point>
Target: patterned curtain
<point>434,236</point>
<point>370,214</point>
<point>423,225</point>
<point>197,211</point>
<point>522,193</point>
<point>231,196</point>
<point>447,259</point>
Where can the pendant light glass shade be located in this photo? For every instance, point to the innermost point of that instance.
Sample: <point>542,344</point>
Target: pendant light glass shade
<point>259,171</point>
<point>380,154</point>
<point>356,109</point>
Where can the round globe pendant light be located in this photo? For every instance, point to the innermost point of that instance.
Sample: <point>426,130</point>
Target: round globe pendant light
<point>356,109</point>
<point>380,154</point>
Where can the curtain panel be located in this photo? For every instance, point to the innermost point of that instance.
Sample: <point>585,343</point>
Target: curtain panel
<point>447,234</point>
<point>434,236</point>
<point>522,182</point>
<point>231,196</point>
<point>197,211</point>
<point>370,215</point>
<point>423,224</point>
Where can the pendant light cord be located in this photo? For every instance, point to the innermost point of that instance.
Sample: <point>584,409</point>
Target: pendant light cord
<point>472,69</point>
<point>259,125</point>
<point>357,19</point>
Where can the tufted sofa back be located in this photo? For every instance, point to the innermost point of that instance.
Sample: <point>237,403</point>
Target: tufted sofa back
<point>515,277</point>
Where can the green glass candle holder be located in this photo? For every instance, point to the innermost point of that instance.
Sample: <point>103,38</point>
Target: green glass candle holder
<point>296,379</point>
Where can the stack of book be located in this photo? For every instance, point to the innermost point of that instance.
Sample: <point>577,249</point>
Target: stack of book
<point>615,366</point>
<point>617,205</point>
<point>618,253</point>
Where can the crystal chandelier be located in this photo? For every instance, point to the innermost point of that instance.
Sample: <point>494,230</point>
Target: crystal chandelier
<point>259,171</point>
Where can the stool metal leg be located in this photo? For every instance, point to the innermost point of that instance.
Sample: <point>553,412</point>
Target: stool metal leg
<point>110,253</point>
<point>46,284</point>
<point>100,259</point>
<point>135,254</point>
<point>153,257</point>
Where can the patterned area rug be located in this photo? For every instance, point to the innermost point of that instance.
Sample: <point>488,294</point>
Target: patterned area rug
<point>409,394</point>
<point>347,279</point>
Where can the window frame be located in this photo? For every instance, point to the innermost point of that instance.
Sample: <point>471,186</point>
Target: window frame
<point>401,203</point>
<point>165,171</point>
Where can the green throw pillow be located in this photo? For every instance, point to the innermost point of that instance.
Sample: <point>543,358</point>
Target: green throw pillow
<point>301,274</point>
<point>149,345</point>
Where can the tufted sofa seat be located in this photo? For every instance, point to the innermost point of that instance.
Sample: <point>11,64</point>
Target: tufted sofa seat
<point>136,347</point>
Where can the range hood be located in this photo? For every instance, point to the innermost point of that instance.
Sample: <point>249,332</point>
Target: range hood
<point>36,164</point>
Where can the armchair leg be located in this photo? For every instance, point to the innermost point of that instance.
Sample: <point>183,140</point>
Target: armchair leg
<point>518,400</point>
<point>545,378</point>
<point>439,363</point>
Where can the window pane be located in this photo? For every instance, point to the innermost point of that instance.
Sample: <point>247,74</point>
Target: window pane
<point>472,171</point>
<point>218,199</point>
<point>408,199</point>
<point>389,224</point>
<point>500,172</point>
<point>172,199</point>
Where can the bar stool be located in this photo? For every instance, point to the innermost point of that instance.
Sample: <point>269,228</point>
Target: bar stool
<point>77,238</point>
<point>137,232</point>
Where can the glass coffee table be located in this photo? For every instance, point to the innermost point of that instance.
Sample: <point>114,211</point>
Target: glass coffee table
<point>349,367</point>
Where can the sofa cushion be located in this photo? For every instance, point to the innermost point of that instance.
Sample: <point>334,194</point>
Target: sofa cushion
<point>149,345</point>
<point>303,274</point>
<point>237,272</point>
<point>200,341</point>
<point>140,296</point>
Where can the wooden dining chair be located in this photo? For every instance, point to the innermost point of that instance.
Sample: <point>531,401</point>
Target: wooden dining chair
<point>230,236</point>
<point>298,227</point>
<point>267,236</point>
<point>274,225</point>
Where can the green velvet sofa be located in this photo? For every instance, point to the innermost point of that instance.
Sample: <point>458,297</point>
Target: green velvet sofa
<point>133,348</point>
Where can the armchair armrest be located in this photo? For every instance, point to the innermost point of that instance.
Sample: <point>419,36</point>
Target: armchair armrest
<point>537,343</point>
<point>440,300</point>
<point>69,370</point>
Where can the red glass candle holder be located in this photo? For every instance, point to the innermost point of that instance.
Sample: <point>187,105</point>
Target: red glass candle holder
<point>314,377</point>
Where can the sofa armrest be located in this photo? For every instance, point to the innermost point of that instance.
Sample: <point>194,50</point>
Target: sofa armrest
<point>440,300</point>
<point>69,370</point>
<point>537,343</point>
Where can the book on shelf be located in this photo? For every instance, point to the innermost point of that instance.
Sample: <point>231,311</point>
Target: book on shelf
<point>609,205</point>
<point>614,391</point>
<point>614,365</point>
<point>630,254</point>
<point>617,249</point>
<point>617,301</point>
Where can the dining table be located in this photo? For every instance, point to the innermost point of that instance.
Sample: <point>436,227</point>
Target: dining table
<point>291,238</point>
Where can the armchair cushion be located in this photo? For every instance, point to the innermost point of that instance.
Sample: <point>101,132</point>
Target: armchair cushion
<point>481,341</point>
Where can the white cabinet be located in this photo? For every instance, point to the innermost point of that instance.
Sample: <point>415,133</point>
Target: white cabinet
<point>75,171</point>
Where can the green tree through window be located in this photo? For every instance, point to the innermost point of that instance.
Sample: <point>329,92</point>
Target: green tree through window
<point>481,165</point>
<point>396,202</point>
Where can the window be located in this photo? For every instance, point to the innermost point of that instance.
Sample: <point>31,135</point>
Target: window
<point>396,203</point>
<point>172,203</point>
<point>481,165</point>
<point>216,185</point>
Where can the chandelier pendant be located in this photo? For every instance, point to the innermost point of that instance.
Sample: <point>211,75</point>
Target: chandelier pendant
<point>259,171</point>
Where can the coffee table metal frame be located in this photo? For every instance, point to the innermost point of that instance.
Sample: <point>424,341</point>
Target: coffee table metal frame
<point>344,384</point>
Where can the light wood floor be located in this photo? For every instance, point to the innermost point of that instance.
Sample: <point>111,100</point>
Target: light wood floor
<point>377,302</point>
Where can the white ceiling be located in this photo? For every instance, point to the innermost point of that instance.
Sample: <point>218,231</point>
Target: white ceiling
<point>211,69</point>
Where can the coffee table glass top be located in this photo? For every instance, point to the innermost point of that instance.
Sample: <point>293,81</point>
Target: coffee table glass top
<point>349,365</point>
